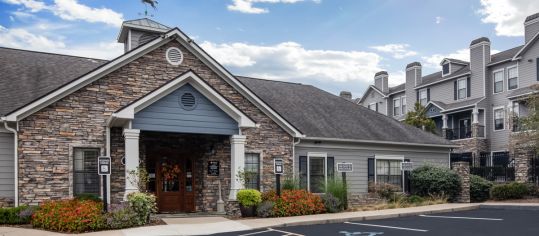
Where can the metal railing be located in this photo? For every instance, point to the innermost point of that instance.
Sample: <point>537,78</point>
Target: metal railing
<point>458,133</point>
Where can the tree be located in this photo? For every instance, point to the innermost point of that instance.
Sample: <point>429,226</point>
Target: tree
<point>418,118</point>
<point>528,123</point>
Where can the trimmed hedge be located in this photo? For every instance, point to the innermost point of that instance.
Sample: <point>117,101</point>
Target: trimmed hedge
<point>512,190</point>
<point>479,188</point>
<point>16,215</point>
<point>435,181</point>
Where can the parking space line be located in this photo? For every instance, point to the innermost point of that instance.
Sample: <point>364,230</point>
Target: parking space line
<point>286,233</point>
<point>460,217</point>
<point>386,226</point>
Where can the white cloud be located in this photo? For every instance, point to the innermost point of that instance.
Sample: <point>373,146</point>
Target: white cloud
<point>246,6</point>
<point>72,10</point>
<point>508,15</point>
<point>398,51</point>
<point>439,19</point>
<point>25,39</point>
<point>434,60</point>
<point>291,61</point>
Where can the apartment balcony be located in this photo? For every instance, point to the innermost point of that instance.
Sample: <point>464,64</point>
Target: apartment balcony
<point>473,131</point>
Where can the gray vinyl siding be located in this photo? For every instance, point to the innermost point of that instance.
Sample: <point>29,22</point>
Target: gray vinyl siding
<point>390,105</point>
<point>530,31</point>
<point>136,37</point>
<point>358,154</point>
<point>479,57</point>
<point>7,166</point>
<point>166,115</point>
<point>375,97</point>
<point>454,67</point>
<point>527,71</point>
<point>411,97</point>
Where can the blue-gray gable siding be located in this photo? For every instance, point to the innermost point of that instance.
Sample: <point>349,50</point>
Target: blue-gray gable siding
<point>7,166</point>
<point>166,115</point>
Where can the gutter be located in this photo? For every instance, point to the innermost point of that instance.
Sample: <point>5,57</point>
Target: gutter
<point>107,152</point>
<point>15,160</point>
<point>380,142</point>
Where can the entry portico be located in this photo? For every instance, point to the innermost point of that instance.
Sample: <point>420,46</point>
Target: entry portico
<point>184,105</point>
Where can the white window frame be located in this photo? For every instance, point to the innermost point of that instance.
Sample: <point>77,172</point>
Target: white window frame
<point>372,105</point>
<point>494,80</point>
<point>494,118</point>
<point>403,105</point>
<point>426,97</point>
<point>508,78</point>
<point>465,89</point>
<point>399,108</point>
<point>448,70</point>
<point>391,158</point>
<point>316,154</point>
<point>517,112</point>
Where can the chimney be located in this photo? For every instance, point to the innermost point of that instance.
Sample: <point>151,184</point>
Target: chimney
<point>381,81</point>
<point>346,95</point>
<point>479,57</point>
<point>413,78</point>
<point>531,27</point>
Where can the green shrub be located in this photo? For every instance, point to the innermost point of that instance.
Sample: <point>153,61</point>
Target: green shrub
<point>297,203</point>
<point>88,196</point>
<point>338,189</point>
<point>16,215</point>
<point>290,184</point>
<point>479,188</point>
<point>512,190</point>
<point>265,209</point>
<point>384,190</point>
<point>121,216</point>
<point>437,181</point>
<point>533,190</point>
<point>414,199</point>
<point>143,204</point>
<point>331,203</point>
<point>72,216</point>
<point>249,197</point>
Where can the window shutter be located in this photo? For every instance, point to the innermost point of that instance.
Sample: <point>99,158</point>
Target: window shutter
<point>376,106</point>
<point>428,95</point>
<point>468,86</point>
<point>417,96</point>
<point>303,172</point>
<point>331,168</point>
<point>537,70</point>
<point>455,90</point>
<point>407,182</point>
<point>370,170</point>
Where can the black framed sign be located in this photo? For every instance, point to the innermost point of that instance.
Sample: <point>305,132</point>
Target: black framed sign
<point>213,168</point>
<point>103,165</point>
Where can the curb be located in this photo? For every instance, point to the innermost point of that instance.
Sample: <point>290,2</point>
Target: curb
<point>510,207</point>
<point>374,217</point>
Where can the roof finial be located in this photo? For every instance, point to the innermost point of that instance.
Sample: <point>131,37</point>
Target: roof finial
<point>152,3</point>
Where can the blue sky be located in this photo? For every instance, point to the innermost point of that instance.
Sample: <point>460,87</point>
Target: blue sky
<point>333,44</point>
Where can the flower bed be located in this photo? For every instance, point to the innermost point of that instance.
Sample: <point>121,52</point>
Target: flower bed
<point>292,203</point>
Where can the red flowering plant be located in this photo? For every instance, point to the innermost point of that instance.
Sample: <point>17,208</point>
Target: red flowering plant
<point>295,203</point>
<point>71,215</point>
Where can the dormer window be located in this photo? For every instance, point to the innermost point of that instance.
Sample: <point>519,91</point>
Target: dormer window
<point>445,69</point>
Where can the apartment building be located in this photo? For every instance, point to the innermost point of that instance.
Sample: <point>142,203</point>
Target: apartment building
<point>474,103</point>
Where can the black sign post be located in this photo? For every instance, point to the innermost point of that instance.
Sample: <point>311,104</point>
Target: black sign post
<point>344,167</point>
<point>278,169</point>
<point>103,169</point>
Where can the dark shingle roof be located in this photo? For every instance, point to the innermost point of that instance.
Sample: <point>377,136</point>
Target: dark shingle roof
<point>431,78</point>
<point>532,17</point>
<point>457,61</point>
<point>504,55</point>
<point>397,88</point>
<point>28,75</point>
<point>317,113</point>
<point>482,39</point>
<point>522,91</point>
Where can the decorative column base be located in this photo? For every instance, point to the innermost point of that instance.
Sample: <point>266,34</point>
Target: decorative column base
<point>522,164</point>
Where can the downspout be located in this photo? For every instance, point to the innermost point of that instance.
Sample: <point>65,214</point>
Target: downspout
<point>15,161</point>
<point>107,153</point>
<point>294,143</point>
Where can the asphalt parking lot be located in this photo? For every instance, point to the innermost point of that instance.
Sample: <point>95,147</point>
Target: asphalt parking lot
<point>489,222</point>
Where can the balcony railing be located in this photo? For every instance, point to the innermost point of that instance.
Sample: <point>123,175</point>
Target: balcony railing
<point>465,132</point>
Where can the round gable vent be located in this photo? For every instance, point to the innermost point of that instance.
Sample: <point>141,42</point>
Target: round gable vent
<point>188,101</point>
<point>174,56</point>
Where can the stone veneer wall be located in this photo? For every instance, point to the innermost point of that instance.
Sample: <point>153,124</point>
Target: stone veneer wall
<point>47,137</point>
<point>463,171</point>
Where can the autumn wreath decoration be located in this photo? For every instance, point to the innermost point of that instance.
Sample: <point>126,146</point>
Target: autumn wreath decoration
<point>170,171</point>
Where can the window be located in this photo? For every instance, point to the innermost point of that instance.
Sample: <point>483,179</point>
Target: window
<point>403,104</point>
<point>315,170</point>
<point>85,178</point>
<point>498,81</point>
<point>512,80</point>
<point>252,170</point>
<point>317,174</point>
<point>516,106</point>
<point>462,88</point>
<point>499,118</point>
<point>396,106</point>
<point>372,106</point>
<point>389,171</point>
<point>423,97</point>
<point>445,69</point>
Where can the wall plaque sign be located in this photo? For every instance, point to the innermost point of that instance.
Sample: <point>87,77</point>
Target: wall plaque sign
<point>213,168</point>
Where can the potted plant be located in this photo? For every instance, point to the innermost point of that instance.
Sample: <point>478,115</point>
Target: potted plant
<point>248,199</point>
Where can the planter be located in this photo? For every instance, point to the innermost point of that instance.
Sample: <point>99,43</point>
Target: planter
<point>248,211</point>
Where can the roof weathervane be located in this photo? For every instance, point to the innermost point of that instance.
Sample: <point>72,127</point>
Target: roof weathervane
<point>151,3</point>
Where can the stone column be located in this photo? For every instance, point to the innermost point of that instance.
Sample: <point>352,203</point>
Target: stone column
<point>237,163</point>
<point>131,159</point>
<point>522,164</point>
<point>463,170</point>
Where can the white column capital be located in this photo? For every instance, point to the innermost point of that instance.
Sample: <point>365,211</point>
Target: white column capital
<point>475,116</point>
<point>444,121</point>
<point>238,139</point>
<point>131,133</point>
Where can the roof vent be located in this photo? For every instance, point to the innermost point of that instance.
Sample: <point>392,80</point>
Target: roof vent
<point>188,101</point>
<point>144,38</point>
<point>174,56</point>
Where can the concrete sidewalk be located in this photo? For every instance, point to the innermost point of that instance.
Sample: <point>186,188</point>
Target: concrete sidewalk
<point>214,224</point>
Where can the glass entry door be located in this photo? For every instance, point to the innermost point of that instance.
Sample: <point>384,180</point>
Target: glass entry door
<point>174,182</point>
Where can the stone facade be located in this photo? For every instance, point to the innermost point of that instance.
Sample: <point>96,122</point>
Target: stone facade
<point>472,145</point>
<point>463,170</point>
<point>358,200</point>
<point>47,138</point>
